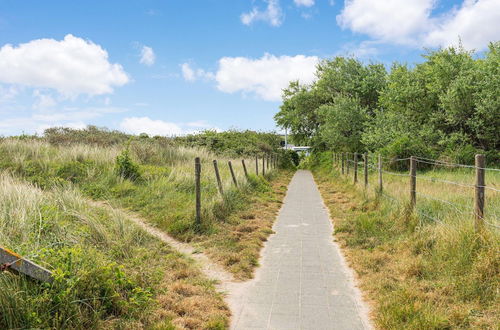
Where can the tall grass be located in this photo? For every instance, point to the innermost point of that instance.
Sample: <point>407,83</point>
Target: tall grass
<point>426,269</point>
<point>164,192</point>
<point>108,272</point>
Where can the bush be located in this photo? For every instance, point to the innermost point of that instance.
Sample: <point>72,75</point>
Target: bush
<point>289,159</point>
<point>125,167</point>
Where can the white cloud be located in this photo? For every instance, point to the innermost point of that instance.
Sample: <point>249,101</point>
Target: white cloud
<point>389,20</point>
<point>43,101</point>
<point>191,74</point>
<point>266,76</point>
<point>138,125</point>
<point>148,56</point>
<point>8,93</point>
<point>272,14</point>
<point>188,72</point>
<point>199,124</point>
<point>304,3</point>
<point>71,66</point>
<point>44,118</point>
<point>475,22</point>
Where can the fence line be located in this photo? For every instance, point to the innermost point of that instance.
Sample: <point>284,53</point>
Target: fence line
<point>479,186</point>
<point>269,161</point>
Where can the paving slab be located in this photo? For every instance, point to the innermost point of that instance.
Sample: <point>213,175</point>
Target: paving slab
<point>303,281</point>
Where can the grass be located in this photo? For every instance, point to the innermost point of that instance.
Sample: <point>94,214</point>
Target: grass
<point>417,272</point>
<point>167,290</point>
<point>108,272</point>
<point>238,240</point>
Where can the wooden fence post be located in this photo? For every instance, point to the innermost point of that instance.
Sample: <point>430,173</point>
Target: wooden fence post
<point>232,173</point>
<point>347,162</point>
<point>264,164</point>
<point>217,176</point>
<point>343,163</point>
<point>197,176</point>
<point>244,167</point>
<point>479,195</point>
<point>257,165</point>
<point>365,156</point>
<point>380,183</point>
<point>355,167</point>
<point>413,182</point>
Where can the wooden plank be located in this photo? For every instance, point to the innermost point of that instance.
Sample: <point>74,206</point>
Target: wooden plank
<point>217,176</point>
<point>479,193</point>
<point>197,184</point>
<point>244,167</point>
<point>413,181</point>
<point>10,260</point>
<point>232,173</point>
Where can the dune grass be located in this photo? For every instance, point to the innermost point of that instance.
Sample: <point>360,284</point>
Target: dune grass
<point>111,274</point>
<point>108,272</point>
<point>163,193</point>
<point>417,272</point>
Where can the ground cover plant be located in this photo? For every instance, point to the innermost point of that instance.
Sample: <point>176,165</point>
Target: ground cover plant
<point>155,179</point>
<point>108,273</point>
<point>418,273</point>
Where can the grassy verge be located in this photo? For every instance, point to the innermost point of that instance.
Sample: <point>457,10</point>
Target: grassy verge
<point>108,272</point>
<point>418,273</point>
<point>238,240</point>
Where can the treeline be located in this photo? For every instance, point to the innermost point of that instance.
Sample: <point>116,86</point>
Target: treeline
<point>447,107</point>
<point>229,143</point>
<point>233,143</point>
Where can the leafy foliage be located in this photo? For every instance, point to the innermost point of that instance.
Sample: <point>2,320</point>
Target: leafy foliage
<point>447,107</point>
<point>125,167</point>
<point>232,142</point>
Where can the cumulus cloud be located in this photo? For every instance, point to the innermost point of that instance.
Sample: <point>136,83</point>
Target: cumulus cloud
<point>265,77</point>
<point>71,66</point>
<point>475,22</point>
<point>59,117</point>
<point>148,56</point>
<point>390,20</point>
<point>304,3</point>
<point>191,74</point>
<point>138,125</point>
<point>273,14</point>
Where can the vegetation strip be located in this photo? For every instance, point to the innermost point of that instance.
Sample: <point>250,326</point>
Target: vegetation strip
<point>211,270</point>
<point>108,272</point>
<point>418,274</point>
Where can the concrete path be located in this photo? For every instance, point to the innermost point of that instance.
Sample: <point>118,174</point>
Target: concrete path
<point>303,281</point>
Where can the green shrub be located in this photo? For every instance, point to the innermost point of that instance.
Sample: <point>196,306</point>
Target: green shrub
<point>289,159</point>
<point>125,167</point>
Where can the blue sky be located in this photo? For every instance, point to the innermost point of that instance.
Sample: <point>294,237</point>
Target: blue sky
<point>174,67</point>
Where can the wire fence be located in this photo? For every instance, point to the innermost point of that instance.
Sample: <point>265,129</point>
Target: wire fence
<point>468,202</point>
